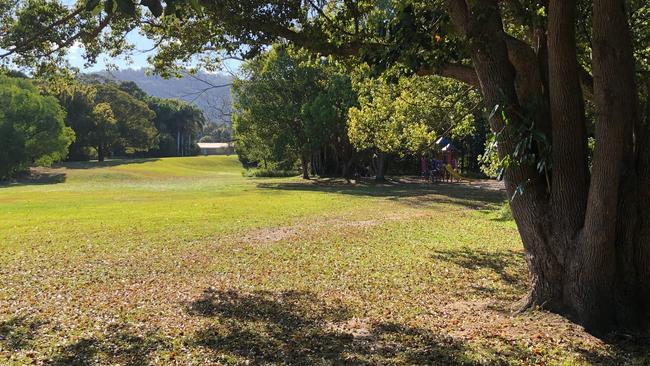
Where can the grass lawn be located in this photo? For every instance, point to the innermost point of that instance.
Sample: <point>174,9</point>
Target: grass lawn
<point>185,261</point>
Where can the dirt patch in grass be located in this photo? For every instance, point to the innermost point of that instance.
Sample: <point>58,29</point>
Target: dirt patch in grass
<point>305,229</point>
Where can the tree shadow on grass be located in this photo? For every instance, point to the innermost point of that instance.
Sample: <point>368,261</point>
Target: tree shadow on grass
<point>119,344</point>
<point>625,351</point>
<point>35,177</point>
<point>107,163</point>
<point>629,350</point>
<point>38,176</point>
<point>407,192</point>
<point>293,328</point>
<point>19,332</point>
<point>505,263</point>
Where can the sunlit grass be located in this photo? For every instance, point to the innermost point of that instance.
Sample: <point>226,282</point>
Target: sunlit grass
<point>185,261</point>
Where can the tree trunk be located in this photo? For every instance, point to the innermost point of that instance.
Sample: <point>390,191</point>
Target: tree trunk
<point>524,185</point>
<point>593,290</point>
<point>100,153</point>
<point>322,157</point>
<point>380,175</point>
<point>337,161</point>
<point>304,163</point>
<point>569,136</point>
<point>585,239</point>
<point>346,168</point>
<point>642,248</point>
<point>178,144</point>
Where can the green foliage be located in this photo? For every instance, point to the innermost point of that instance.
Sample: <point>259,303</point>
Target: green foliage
<point>290,107</point>
<point>326,113</point>
<point>78,100</point>
<point>32,130</point>
<point>271,102</point>
<point>133,90</point>
<point>174,120</point>
<point>405,115</point>
<point>489,162</point>
<point>134,119</point>
<point>105,129</point>
<point>213,132</point>
<point>504,213</point>
<point>105,118</point>
<point>532,146</point>
<point>372,125</point>
<point>269,173</point>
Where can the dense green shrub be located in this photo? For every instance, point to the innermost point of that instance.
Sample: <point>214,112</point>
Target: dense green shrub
<point>32,128</point>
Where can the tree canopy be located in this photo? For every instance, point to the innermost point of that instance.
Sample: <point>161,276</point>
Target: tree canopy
<point>273,104</point>
<point>105,118</point>
<point>32,130</point>
<point>408,114</point>
<point>176,121</point>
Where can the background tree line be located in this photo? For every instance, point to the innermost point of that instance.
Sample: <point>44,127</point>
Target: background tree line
<point>59,118</point>
<point>332,118</point>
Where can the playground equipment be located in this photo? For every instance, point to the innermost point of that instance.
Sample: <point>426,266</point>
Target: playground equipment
<point>442,165</point>
<point>455,175</point>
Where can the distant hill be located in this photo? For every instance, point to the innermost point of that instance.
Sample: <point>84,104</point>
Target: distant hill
<point>199,89</point>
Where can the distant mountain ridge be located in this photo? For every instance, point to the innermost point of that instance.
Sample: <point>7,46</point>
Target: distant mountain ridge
<point>210,92</point>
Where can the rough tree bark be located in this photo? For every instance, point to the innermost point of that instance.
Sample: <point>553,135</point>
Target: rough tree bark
<point>568,196</point>
<point>642,245</point>
<point>586,235</point>
<point>615,97</point>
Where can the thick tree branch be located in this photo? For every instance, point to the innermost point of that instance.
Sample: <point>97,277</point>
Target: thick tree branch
<point>615,98</point>
<point>463,73</point>
<point>83,34</point>
<point>460,16</point>
<point>28,42</point>
<point>570,172</point>
<point>524,60</point>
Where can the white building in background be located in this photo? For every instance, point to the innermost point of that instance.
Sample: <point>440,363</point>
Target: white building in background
<point>216,148</point>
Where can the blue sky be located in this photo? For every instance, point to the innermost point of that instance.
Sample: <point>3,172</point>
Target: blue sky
<point>137,60</point>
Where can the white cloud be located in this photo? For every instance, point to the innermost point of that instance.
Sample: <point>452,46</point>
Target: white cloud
<point>74,51</point>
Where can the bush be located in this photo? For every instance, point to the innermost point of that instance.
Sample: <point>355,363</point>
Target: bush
<point>32,130</point>
<point>269,173</point>
<point>504,213</point>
